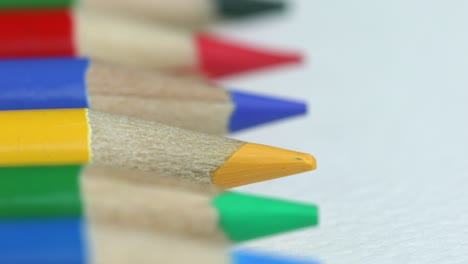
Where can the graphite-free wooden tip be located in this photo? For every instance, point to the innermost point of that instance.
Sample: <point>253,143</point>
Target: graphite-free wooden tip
<point>253,163</point>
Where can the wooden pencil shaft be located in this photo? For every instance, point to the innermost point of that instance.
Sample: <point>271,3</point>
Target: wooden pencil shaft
<point>117,245</point>
<point>149,146</point>
<point>109,79</point>
<point>148,178</point>
<point>175,11</point>
<point>111,197</point>
<point>134,43</point>
<point>112,244</point>
<point>179,102</point>
<point>197,116</point>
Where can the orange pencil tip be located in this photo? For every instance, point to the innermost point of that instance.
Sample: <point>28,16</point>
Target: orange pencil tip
<point>253,163</point>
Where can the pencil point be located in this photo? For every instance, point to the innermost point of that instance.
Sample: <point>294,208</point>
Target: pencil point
<point>220,58</point>
<point>252,110</point>
<point>244,217</point>
<point>249,256</point>
<point>253,163</point>
<point>243,8</point>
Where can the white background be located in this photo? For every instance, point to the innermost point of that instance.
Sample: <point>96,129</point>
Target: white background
<point>387,86</point>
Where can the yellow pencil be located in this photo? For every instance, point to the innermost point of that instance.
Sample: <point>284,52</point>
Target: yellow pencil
<point>50,137</point>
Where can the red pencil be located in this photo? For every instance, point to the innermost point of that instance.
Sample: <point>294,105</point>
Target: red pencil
<point>61,32</point>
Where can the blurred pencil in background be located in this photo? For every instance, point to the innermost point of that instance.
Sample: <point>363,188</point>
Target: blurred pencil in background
<point>123,245</point>
<point>114,197</point>
<point>71,240</point>
<point>31,84</point>
<point>130,217</point>
<point>123,41</point>
<point>180,12</point>
<point>128,198</point>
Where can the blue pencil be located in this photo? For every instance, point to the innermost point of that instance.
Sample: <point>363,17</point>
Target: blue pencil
<point>29,84</point>
<point>62,240</point>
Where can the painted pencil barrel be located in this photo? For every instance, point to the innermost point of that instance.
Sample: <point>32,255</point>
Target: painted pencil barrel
<point>37,34</point>
<point>40,191</point>
<point>43,84</point>
<point>43,240</point>
<point>44,137</point>
<point>35,3</point>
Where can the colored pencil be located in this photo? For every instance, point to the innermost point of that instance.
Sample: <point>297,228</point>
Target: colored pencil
<point>68,240</point>
<point>113,197</point>
<point>124,41</point>
<point>176,101</point>
<point>55,137</point>
<point>178,12</point>
<point>128,198</point>
<point>191,13</point>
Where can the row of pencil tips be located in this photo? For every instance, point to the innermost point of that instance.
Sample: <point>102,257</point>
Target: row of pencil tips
<point>111,148</point>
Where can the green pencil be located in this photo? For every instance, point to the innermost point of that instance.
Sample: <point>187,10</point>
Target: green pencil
<point>128,199</point>
<point>192,13</point>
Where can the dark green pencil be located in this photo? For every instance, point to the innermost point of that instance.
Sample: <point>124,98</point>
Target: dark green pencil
<point>182,12</point>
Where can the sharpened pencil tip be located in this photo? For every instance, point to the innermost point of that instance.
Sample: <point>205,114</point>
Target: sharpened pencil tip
<point>250,256</point>
<point>244,8</point>
<point>219,57</point>
<point>253,163</point>
<point>244,217</point>
<point>252,110</point>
